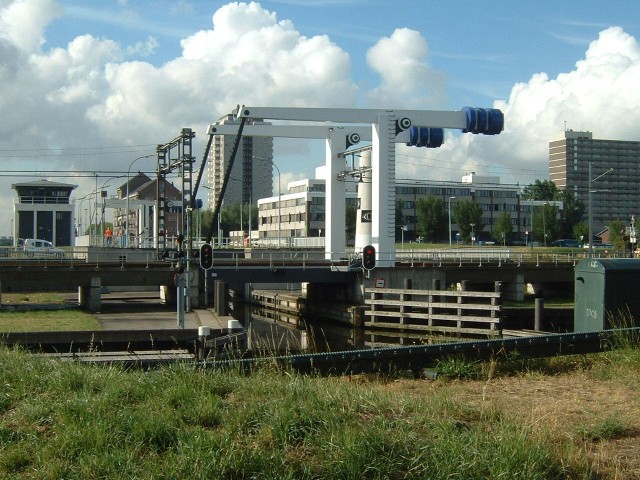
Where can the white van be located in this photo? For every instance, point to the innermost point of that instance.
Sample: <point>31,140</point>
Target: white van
<point>41,248</point>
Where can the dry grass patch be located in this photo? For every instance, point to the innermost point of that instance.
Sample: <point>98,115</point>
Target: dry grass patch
<point>598,416</point>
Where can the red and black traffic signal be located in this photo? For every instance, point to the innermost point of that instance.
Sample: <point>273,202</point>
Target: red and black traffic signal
<point>369,257</point>
<point>206,256</point>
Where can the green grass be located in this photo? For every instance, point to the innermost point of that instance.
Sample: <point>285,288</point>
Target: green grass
<point>46,320</point>
<point>36,320</point>
<point>65,420</point>
<point>607,428</point>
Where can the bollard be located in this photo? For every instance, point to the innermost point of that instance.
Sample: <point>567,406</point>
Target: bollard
<point>234,326</point>
<point>203,332</point>
<point>539,307</point>
<point>539,314</point>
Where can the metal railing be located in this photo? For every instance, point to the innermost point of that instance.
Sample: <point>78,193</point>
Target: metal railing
<point>493,256</point>
<point>144,251</point>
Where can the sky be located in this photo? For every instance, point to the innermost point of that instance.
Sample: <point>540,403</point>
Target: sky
<point>87,87</point>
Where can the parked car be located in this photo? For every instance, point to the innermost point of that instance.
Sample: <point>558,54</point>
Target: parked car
<point>566,242</point>
<point>41,248</point>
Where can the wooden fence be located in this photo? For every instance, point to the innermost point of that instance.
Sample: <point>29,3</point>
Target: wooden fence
<point>473,313</point>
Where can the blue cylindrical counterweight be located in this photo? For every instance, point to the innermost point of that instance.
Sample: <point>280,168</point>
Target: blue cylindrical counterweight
<point>488,121</point>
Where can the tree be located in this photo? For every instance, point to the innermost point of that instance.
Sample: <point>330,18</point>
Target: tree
<point>206,226</point>
<point>503,227</point>
<point>230,218</point>
<point>249,211</point>
<point>572,209</point>
<point>466,213</point>
<point>431,218</point>
<point>572,212</point>
<point>581,232</point>
<point>617,234</point>
<point>545,223</point>
<point>540,190</point>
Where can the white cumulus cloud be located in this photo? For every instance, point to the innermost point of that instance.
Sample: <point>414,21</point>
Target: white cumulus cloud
<point>247,56</point>
<point>65,107</point>
<point>407,79</point>
<point>22,22</point>
<point>599,95</point>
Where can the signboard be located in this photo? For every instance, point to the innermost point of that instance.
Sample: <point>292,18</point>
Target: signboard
<point>365,216</point>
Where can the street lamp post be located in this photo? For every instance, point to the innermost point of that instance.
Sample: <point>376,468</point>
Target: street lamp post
<point>450,198</point>
<point>279,206</point>
<point>95,213</point>
<point>591,180</point>
<point>544,224</point>
<point>250,206</point>
<point>126,240</point>
<point>103,194</point>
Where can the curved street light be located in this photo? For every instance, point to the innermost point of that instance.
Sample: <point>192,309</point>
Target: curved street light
<point>450,198</point>
<point>126,231</point>
<point>591,191</point>
<point>544,223</point>
<point>104,185</point>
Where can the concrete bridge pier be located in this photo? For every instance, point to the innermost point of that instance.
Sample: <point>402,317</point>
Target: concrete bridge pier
<point>221,297</point>
<point>168,294</point>
<point>514,289</point>
<point>90,297</point>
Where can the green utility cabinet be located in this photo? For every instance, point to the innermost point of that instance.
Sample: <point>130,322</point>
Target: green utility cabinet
<point>605,288</point>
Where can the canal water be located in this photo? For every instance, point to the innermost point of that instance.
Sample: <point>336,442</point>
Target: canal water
<point>271,331</point>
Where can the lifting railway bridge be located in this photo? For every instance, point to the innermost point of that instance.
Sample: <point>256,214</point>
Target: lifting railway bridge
<point>342,278</point>
<point>341,128</point>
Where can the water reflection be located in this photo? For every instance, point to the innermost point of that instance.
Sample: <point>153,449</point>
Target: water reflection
<point>271,331</point>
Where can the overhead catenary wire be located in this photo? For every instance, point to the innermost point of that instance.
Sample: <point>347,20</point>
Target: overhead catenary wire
<point>26,153</point>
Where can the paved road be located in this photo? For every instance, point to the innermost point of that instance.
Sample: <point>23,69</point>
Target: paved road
<point>144,311</point>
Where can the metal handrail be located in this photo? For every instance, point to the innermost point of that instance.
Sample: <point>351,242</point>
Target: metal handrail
<point>412,258</point>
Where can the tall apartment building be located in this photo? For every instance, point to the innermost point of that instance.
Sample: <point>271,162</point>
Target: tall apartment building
<point>251,176</point>
<point>615,195</point>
